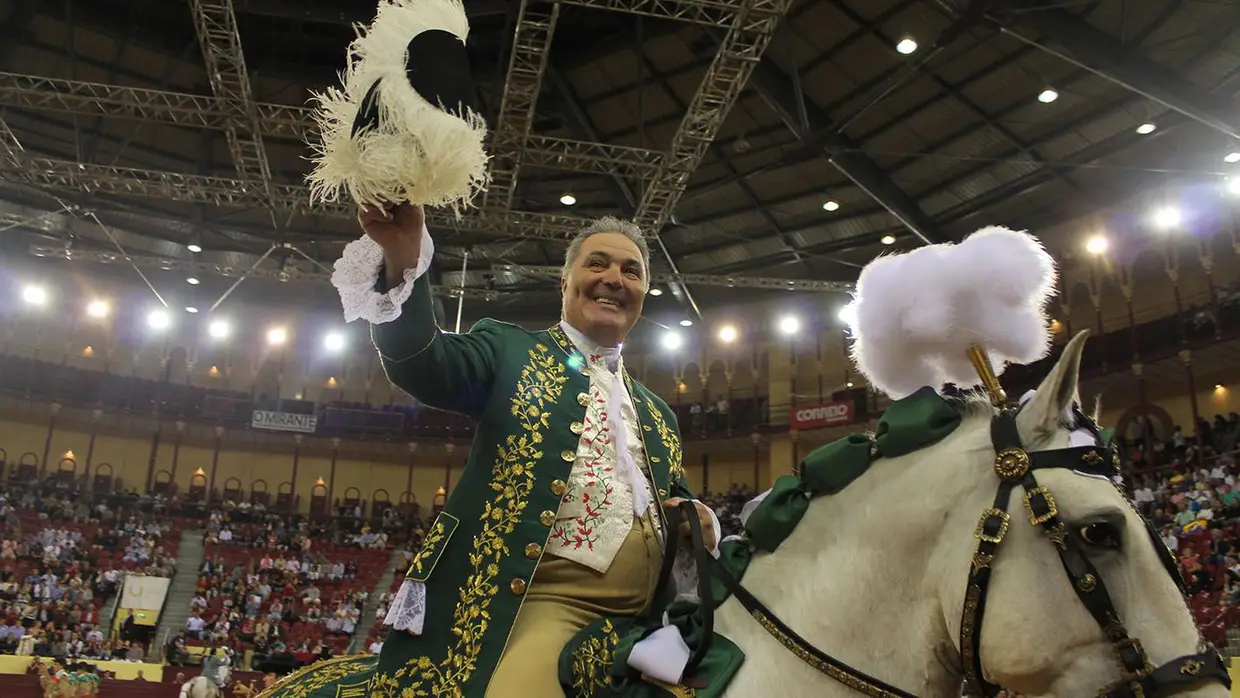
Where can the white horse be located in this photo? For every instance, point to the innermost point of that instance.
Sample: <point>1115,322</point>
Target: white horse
<point>876,576</point>
<point>201,686</point>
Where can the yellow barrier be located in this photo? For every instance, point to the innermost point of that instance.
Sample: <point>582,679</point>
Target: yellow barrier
<point>129,671</point>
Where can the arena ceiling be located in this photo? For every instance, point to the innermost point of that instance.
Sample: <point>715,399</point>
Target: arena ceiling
<point>769,146</point>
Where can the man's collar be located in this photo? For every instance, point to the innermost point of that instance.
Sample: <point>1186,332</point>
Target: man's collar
<point>606,357</point>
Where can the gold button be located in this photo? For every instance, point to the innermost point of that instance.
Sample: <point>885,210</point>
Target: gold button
<point>547,518</point>
<point>583,399</point>
<point>662,493</point>
<point>533,550</point>
<point>517,586</point>
<point>558,487</point>
<point>577,428</point>
<point>654,459</point>
<point>637,400</point>
<point>646,427</point>
<point>568,456</point>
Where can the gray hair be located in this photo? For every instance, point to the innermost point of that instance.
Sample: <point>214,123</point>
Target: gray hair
<point>609,224</point>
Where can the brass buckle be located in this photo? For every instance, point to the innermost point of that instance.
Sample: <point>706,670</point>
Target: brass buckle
<point>1051,510</point>
<point>1004,521</point>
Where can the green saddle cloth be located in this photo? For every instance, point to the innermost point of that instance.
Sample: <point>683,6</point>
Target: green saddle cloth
<point>339,677</point>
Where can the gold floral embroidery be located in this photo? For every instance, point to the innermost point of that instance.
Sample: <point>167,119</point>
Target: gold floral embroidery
<point>432,547</point>
<point>592,660</point>
<point>671,441</point>
<point>304,681</point>
<point>537,391</point>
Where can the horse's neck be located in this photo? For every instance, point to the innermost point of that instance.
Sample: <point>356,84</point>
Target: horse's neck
<point>853,580</point>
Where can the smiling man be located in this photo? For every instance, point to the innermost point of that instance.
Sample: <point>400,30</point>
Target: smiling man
<point>557,520</point>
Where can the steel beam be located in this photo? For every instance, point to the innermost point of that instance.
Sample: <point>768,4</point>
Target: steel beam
<point>1092,49</point>
<point>222,191</point>
<point>216,25</point>
<point>773,284</point>
<point>286,273</point>
<point>776,89</point>
<point>201,111</point>
<point>751,29</point>
<point>713,13</point>
<point>526,66</point>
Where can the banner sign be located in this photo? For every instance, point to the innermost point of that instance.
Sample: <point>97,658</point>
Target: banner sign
<point>831,414</point>
<point>284,421</point>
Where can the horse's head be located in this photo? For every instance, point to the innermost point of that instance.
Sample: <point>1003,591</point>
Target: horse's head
<point>1066,600</point>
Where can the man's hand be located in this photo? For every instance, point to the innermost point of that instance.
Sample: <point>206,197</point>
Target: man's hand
<point>398,230</point>
<point>709,535</point>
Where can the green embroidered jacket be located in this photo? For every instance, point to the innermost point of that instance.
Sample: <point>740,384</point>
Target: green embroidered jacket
<point>527,392</point>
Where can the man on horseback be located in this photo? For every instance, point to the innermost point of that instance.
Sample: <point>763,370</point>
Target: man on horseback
<point>215,668</point>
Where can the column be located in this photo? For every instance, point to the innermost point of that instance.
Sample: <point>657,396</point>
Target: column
<point>176,450</point>
<point>215,462</point>
<point>1186,356</point>
<point>95,416</point>
<point>331,477</point>
<point>47,442</point>
<point>756,439</point>
<point>292,503</point>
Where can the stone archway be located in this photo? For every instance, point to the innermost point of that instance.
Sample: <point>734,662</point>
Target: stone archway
<point>1159,418</point>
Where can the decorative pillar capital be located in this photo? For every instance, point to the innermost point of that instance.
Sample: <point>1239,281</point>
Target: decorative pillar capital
<point>1138,369</point>
<point>1186,357</point>
<point>297,438</point>
<point>55,408</point>
<point>335,443</point>
<point>756,439</point>
<point>449,448</point>
<point>96,416</point>
<point>413,446</point>
<point>219,432</point>
<point>180,425</point>
<point>794,435</point>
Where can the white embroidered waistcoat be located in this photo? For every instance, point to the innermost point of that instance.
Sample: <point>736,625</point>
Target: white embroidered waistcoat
<point>597,511</point>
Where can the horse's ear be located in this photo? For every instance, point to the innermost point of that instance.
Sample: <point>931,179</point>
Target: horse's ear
<point>1044,413</point>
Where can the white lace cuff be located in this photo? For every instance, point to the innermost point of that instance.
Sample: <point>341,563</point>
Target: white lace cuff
<point>684,569</point>
<point>357,271</point>
<point>408,610</point>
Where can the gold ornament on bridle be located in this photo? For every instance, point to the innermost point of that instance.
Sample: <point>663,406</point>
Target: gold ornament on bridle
<point>986,372</point>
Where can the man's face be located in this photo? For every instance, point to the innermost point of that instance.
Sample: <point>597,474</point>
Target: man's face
<point>605,288</point>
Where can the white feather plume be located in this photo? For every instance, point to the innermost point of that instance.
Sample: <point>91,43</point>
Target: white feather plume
<point>419,153</point>
<point>917,313</point>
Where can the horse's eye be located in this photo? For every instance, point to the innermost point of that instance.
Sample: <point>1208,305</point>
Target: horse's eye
<point>1100,534</point>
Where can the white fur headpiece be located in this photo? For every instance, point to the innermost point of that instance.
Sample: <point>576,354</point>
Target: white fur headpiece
<point>411,149</point>
<point>917,313</point>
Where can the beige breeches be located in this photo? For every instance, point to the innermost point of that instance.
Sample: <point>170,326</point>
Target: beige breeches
<point>563,598</point>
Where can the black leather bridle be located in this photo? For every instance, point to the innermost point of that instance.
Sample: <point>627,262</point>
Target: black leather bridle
<point>1015,468</point>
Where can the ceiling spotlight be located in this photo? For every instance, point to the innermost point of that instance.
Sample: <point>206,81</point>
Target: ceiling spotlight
<point>655,291</point>
<point>727,334</point>
<point>831,205</point>
<point>218,329</point>
<point>158,320</point>
<point>1145,129</point>
<point>194,247</point>
<point>906,46</point>
<point>334,341</point>
<point>672,340</point>
<point>191,309</point>
<point>848,314</point>
<point>1047,96</point>
<point>686,323</point>
<point>1232,184</point>
<point>34,295</point>
<point>192,281</point>
<point>1097,244</point>
<point>97,309</point>
<point>1232,157</point>
<point>277,336</point>
<point>789,324</point>
<point>888,240</point>
<point>1166,217</point>
<point>568,199</point>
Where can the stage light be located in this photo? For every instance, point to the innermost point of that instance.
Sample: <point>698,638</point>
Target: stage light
<point>1232,157</point>
<point>158,320</point>
<point>888,240</point>
<point>1146,129</point>
<point>218,329</point>
<point>656,291</point>
<point>686,323</point>
<point>907,45</point>
<point>1232,185</point>
<point>568,199</point>
<point>277,336</point>
<point>192,281</point>
<point>672,340</point>
<point>1048,95</point>
<point>334,341</point>
<point>789,324</point>
<point>1097,244</point>
<point>34,295</point>
<point>194,247</point>
<point>848,315</point>
<point>191,309</point>
<point>1166,217</point>
<point>728,334</point>
<point>97,309</point>
<point>831,205</point>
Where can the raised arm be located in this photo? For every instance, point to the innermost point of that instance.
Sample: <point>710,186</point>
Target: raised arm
<point>382,279</point>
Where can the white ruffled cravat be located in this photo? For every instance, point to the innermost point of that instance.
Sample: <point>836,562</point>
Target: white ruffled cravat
<point>615,416</point>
